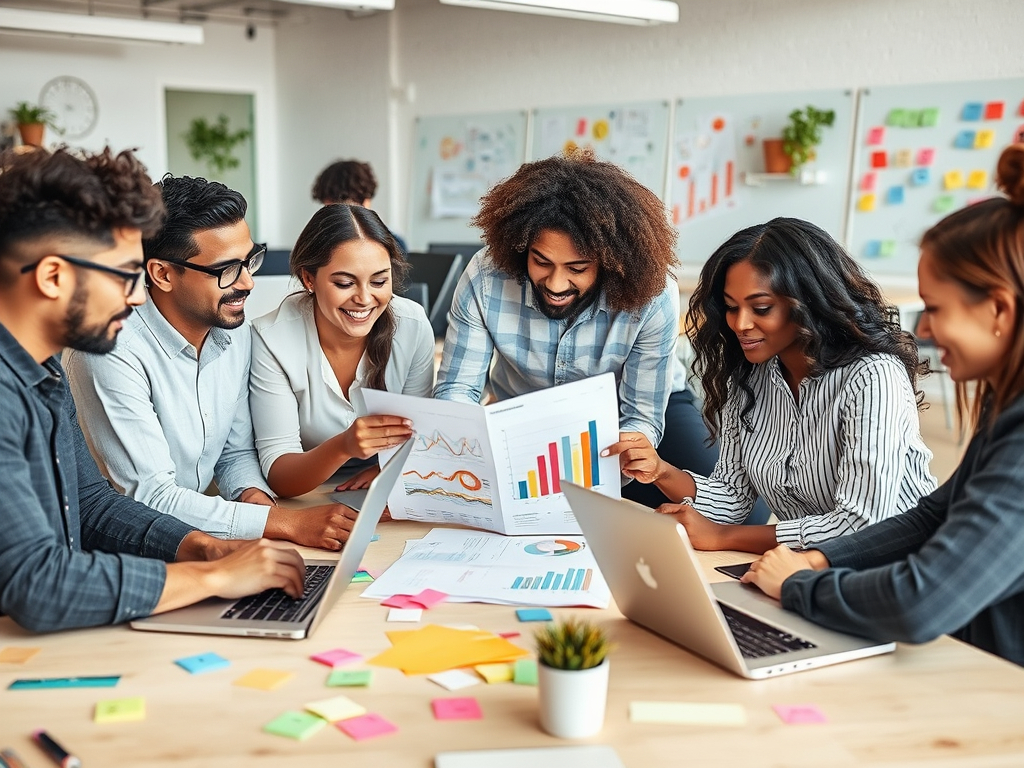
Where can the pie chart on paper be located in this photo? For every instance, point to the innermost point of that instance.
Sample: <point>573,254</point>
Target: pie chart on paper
<point>553,547</point>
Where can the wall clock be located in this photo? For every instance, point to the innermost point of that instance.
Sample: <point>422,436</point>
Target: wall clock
<point>73,103</point>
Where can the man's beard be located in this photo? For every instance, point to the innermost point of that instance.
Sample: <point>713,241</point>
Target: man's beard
<point>96,339</point>
<point>220,322</point>
<point>569,311</point>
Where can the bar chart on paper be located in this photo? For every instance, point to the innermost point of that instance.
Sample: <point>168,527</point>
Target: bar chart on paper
<point>572,457</point>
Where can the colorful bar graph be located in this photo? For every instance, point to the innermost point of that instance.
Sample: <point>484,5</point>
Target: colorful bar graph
<point>572,579</point>
<point>575,460</point>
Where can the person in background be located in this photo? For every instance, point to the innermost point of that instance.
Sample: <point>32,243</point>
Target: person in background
<point>351,182</point>
<point>953,563</point>
<point>809,387</point>
<point>166,414</point>
<point>73,551</point>
<point>314,355</point>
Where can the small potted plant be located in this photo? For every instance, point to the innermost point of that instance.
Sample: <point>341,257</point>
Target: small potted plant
<point>32,121</point>
<point>213,144</point>
<point>572,677</point>
<point>799,138</point>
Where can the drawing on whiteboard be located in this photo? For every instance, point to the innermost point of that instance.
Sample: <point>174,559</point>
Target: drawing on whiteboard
<point>704,169</point>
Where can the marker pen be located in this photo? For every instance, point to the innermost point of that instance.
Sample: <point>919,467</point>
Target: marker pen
<point>56,752</point>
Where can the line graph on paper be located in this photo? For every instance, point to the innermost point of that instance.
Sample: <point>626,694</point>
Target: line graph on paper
<point>447,468</point>
<point>439,446</point>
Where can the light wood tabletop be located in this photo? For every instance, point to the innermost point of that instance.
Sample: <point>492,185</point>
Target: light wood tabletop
<point>943,703</point>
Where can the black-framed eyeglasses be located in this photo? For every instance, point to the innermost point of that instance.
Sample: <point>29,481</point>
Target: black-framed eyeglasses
<point>228,274</point>
<point>131,278</point>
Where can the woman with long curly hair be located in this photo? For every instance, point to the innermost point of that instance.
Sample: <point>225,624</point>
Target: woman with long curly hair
<point>810,389</point>
<point>953,563</point>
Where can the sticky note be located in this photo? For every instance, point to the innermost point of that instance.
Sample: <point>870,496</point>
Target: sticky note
<point>873,249</point>
<point>428,598</point>
<point>795,714</point>
<point>972,111</point>
<point>875,136</point>
<point>466,708</point>
<point>15,654</point>
<point>896,117</point>
<point>912,118</point>
<point>508,635</point>
<point>375,537</point>
<point>128,710</point>
<point>335,709</point>
<point>524,672</point>
<point>866,203</point>
<point>495,673</point>
<point>366,727</point>
<point>349,677</point>
<point>533,614</point>
<point>887,248</point>
<point>894,196</point>
<point>867,182</point>
<point>977,179</point>
<point>964,140</point>
<point>454,679</point>
<point>903,158</point>
<point>399,601</point>
<point>686,713</point>
<point>405,614</point>
<point>64,682</point>
<point>361,577</point>
<point>944,204</point>
<point>925,156</point>
<point>929,117</point>
<point>295,725</point>
<point>879,159</point>
<point>264,679</point>
<point>581,127</point>
<point>994,110</point>
<point>203,662</point>
<point>952,180</point>
<point>336,657</point>
<point>920,176</point>
<point>984,139</point>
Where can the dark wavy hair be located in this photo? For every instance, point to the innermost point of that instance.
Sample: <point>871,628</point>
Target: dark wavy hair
<point>610,217</point>
<point>840,312</point>
<point>345,181</point>
<point>72,194</point>
<point>331,226</point>
<point>193,205</point>
<point>981,248</point>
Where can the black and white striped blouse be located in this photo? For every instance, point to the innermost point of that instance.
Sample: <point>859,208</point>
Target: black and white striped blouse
<point>847,455</point>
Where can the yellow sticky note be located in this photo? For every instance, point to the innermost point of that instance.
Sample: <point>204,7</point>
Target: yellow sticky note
<point>687,713</point>
<point>495,673</point>
<point>866,203</point>
<point>953,180</point>
<point>17,654</point>
<point>436,649</point>
<point>338,708</point>
<point>120,710</point>
<point>977,180</point>
<point>264,679</point>
<point>984,139</point>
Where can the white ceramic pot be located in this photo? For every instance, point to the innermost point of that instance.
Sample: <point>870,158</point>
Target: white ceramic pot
<point>572,702</point>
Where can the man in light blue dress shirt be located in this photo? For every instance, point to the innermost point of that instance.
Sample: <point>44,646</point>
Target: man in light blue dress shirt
<point>166,414</point>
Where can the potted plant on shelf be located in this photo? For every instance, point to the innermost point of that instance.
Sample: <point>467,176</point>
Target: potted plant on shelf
<point>213,144</point>
<point>572,677</point>
<point>32,121</point>
<point>798,142</point>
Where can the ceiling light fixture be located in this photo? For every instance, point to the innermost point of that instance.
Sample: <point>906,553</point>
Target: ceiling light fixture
<point>644,12</point>
<point>102,27</point>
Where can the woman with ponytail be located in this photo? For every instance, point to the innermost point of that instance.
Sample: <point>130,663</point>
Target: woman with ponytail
<point>954,563</point>
<point>312,356</point>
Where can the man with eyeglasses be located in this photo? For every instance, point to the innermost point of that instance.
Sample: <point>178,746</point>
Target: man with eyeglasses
<point>166,413</point>
<point>73,551</point>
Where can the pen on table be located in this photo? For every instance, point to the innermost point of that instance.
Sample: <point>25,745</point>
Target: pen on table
<point>9,759</point>
<point>56,752</point>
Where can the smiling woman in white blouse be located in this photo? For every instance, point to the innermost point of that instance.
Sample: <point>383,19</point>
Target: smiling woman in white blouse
<point>810,387</point>
<point>313,355</point>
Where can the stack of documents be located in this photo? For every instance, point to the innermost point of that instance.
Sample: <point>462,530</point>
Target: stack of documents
<point>436,649</point>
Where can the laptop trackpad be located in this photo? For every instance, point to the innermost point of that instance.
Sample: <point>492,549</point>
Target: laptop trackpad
<point>354,499</point>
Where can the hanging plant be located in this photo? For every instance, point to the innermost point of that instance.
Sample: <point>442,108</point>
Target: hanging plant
<point>213,144</point>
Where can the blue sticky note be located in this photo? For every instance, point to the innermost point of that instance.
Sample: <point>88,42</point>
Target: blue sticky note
<point>964,140</point>
<point>920,177</point>
<point>533,614</point>
<point>375,537</point>
<point>204,662</point>
<point>894,196</point>
<point>64,682</point>
<point>872,249</point>
<point>973,110</point>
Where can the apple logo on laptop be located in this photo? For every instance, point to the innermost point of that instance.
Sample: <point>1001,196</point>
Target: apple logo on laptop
<point>645,573</point>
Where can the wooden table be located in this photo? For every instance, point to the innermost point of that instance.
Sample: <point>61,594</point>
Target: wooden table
<point>943,703</point>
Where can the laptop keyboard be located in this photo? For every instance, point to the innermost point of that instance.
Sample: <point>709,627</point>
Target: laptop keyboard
<point>757,639</point>
<point>276,605</point>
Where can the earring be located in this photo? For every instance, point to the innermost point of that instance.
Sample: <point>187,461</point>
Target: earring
<point>309,291</point>
<point>998,333</point>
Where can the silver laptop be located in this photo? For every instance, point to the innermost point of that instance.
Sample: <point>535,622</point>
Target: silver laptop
<point>656,581</point>
<point>273,613</point>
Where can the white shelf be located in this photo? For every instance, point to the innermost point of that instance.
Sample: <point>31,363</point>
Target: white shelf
<point>804,178</point>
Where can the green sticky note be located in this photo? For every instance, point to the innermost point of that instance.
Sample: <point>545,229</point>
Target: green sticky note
<point>349,677</point>
<point>525,672</point>
<point>912,118</point>
<point>121,710</point>
<point>944,204</point>
<point>888,248</point>
<point>295,725</point>
<point>929,117</point>
<point>361,577</point>
<point>896,117</point>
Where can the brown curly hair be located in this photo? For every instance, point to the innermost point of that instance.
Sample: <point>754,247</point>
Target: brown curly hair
<point>610,216</point>
<point>67,193</point>
<point>345,181</point>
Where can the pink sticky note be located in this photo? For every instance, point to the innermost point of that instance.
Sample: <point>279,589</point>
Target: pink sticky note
<point>867,182</point>
<point>428,598</point>
<point>925,156</point>
<point>400,601</point>
<point>465,708</point>
<point>581,127</point>
<point>876,136</point>
<point>508,635</point>
<point>366,726</point>
<point>336,658</point>
<point>795,714</point>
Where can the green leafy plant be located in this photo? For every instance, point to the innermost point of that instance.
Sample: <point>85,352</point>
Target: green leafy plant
<point>213,144</point>
<point>803,134</point>
<point>572,644</point>
<point>27,114</point>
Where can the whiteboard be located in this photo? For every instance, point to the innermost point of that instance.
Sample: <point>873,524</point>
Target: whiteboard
<point>633,136</point>
<point>922,133</point>
<point>455,159</point>
<point>717,141</point>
